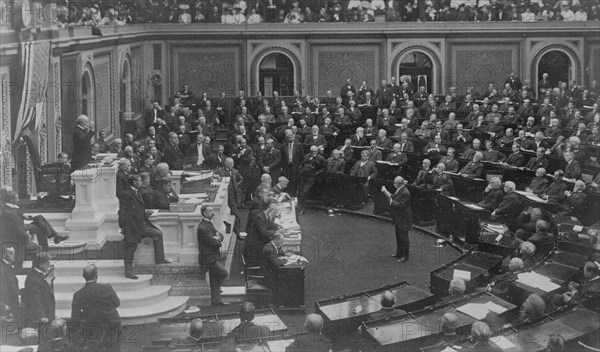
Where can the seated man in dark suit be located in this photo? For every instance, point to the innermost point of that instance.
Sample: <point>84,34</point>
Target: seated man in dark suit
<point>511,206</point>
<point>424,176</point>
<point>273,258</point>
<point>537,161</point>
<point>397,156</point>
<point>388,301</point>
<point>516,158</point>
<point>491,154</point>
<point>163,196</point>
<point>450,163</point>
<point>196,327</point>
<point>575,200</point>
<point>543,239</point>
<point>573,168</point>
<point>247,331</point>
<point>172,153</point>
<point>586,293</point>
<point>492,195</point>
<point>474,168</point>
<point>539,184</point>
<point>313,340</point>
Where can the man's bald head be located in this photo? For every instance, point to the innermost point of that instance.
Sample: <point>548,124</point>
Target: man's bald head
<point>90,272</point>
<point>196,328</point>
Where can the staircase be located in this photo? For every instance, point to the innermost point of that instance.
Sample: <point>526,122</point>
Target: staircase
<point>141,302</point>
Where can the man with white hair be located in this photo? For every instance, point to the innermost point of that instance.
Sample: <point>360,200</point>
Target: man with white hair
<point>314,340</point>
<point>480,334</point>
<point>575,199</point>
<point>511,206</point>
<point>402,216</point>
<point>82,147</point>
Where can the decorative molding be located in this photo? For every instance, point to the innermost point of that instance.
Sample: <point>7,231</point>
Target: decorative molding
<point>6,159</point>
<point>57,106</point>
<point>293,52</point>
<point>43,142</point>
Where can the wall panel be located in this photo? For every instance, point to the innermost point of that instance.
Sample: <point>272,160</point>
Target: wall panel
<point>209,69</point>
<point>478,64</point>
<point>332,64</point>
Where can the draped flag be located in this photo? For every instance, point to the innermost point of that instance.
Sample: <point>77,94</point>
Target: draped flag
<point>36,62</point>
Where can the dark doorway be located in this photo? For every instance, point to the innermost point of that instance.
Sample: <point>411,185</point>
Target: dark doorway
<point>276,73</point>
<point>418,68</point>
<point>557,65</point>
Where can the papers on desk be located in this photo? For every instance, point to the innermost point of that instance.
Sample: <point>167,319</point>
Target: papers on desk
<point>533,279</point>
<point>461,274</point>
<point>386,163</point>
<point>500,228</point>
<point>294,259</point>
<point>480,310</point>
<point>502,342</point>
<point>448,349</point>
<point>454,198</point>
<point>205,176</point>
<point>192,195</point>
<point>577,228</point>
<point>473,206</point>
<point>532,197</point>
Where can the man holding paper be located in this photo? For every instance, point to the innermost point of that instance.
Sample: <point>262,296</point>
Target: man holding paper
<point>402,216</point>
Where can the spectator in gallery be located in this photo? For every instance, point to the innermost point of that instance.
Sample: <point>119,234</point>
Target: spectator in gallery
<point>254,17</point>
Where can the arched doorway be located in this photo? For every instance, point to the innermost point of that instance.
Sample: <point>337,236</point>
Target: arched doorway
<point>418,68</point>
<point>276,73</point>
<point>557,65</point>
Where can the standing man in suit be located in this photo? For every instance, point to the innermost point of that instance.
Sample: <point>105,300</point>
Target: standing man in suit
<point>400,209</point>
<point>38,294</point>
<point>96,305</point>
<point>82,146</point>
<point>135,225</point>
<point>209,252</point>
<point>270,160</point>
<point>172,154</point>
<point>9,289</point>
<point>154,116</point>
<point>292,155</point>
<point>235,196</point>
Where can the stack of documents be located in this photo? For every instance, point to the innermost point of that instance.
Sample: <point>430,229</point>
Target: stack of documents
<point>480,310</point>
<point>533,279</point>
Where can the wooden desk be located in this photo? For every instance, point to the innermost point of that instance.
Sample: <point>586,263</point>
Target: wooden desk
<point>423,328</point>
<point>459,219</point>
<point>469,189</point>
<point>477,263</point>
<point>339,313</point>
<point>215,327</point>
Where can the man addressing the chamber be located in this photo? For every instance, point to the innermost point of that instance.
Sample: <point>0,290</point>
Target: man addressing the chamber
<point>82,147</point>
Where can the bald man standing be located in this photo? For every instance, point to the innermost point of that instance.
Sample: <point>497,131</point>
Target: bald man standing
<point>402,215</point>
<point>95,305</point>
<point>82,146</point>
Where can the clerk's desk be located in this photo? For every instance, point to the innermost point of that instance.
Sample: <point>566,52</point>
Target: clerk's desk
<point>573,324</point>
<point>342,315</point>
<point>424,328</point>
<point>215,327</point>
<point>291,294</point>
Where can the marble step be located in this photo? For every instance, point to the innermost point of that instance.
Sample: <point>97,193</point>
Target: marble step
<point>75,267</point>
<point>129,299</point>
<point>119,283</point>
<point>167,308</point>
